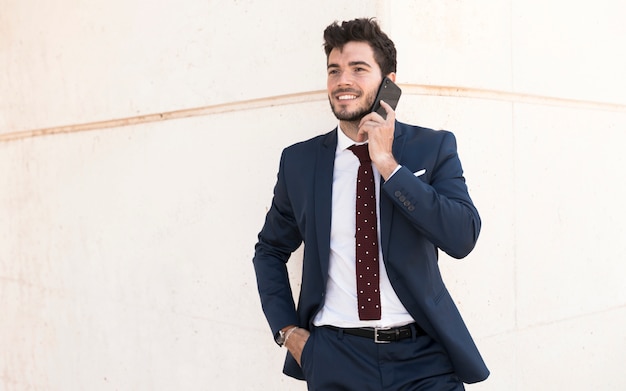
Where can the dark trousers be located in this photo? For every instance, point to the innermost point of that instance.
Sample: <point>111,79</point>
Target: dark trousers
<point>334,361</point>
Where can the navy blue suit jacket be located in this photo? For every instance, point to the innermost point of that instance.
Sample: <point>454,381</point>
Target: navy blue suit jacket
<point>418,216</point>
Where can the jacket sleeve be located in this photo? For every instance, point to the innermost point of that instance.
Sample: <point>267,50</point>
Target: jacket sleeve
<point>278,238</point>
<point>440,209</point>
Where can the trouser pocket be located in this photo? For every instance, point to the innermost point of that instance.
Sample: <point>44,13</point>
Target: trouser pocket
<point>306,359</point>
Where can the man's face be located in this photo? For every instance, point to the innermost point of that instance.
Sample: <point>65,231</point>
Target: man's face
<point>353,80</point>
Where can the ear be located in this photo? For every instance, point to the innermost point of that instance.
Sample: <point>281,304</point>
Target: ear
<point>392,76</point>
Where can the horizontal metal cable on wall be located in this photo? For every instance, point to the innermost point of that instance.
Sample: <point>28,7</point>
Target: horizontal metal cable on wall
<point>312,96</point>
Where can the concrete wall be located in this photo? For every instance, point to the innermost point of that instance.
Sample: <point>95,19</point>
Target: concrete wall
<point>139,143</point>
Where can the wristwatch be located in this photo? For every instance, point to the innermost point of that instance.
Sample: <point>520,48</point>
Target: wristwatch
<point>280,337</point>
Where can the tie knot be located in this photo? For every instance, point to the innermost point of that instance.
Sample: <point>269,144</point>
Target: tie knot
<point>362,152</point>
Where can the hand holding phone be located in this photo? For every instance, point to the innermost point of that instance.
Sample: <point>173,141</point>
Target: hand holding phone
<point>390,93</point>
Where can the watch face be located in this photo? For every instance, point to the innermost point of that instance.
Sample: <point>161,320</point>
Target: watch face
<point>280,338</point>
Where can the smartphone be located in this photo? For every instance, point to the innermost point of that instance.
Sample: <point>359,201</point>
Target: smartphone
<point>390,93</point>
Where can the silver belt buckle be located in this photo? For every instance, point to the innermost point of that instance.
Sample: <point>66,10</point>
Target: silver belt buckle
<point>376,329</point>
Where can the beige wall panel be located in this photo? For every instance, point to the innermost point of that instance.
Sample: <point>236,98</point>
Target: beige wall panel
<point>501,354</point>
<point>569,49</point>
<point>585,353</point>
<point>453,43</point>
<point>569,212</point>
<point>98,60</point>
<point>129,253</point>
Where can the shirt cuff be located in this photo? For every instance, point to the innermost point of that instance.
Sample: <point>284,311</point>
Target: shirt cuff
<point>394,171</point>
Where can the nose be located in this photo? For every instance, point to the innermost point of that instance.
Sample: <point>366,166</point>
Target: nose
<point>344,79</point>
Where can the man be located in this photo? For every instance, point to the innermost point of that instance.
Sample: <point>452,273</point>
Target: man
<point>411,335</point>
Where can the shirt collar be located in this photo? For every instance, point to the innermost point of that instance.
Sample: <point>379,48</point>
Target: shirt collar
<point>343,141</point>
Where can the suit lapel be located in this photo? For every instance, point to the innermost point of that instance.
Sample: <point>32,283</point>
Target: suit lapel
<point>325,162</point>
<point>386,206</point>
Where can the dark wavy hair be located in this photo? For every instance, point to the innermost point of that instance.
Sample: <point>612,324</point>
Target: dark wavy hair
<point>362,30</point>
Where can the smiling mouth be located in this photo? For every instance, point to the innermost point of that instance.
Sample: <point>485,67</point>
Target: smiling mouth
<point>346,97</point>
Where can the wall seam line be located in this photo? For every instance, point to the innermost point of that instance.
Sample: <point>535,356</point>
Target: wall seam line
<point>312,96</point>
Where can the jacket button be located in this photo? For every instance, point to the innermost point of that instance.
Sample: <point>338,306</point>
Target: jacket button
<point>398,193</point>
<point>402,198</point>
<point>411,208</point>
<point>407,203</point>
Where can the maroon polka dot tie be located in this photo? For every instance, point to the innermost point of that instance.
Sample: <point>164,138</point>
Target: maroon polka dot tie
<point>368,292</point>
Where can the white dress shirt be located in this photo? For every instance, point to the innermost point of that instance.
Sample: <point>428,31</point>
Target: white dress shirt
<point>340,307</point>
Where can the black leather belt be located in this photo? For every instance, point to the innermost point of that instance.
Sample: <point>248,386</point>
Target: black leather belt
<point>383,335</point>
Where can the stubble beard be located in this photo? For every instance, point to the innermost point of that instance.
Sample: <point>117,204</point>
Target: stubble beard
<point>353,116</point>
